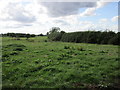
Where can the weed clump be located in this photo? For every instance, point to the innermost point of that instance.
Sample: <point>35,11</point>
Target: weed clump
<point>52,69</point>
<point>70,52</point>
<point>103,52</point>
<point>15,45</point>
<point>36,51</point>
<point>72,48</point>
<point>16,61</point>
<point>45,41</point>
<point>59,58</point>
<point>65,56</point>
<point>90,53</point>
<point>66,47</point>
<point>36,62</point>
<point>5,55</point>
<point>30,40</point>
<point>18,49</point>
<point>80,49</point>
<point>14,53</point>
<point>51,50</point>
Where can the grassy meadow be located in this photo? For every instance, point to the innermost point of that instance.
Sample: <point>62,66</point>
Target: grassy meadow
<point>39,63</point>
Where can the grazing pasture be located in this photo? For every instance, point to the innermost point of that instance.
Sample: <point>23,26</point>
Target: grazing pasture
<point>40,63</point>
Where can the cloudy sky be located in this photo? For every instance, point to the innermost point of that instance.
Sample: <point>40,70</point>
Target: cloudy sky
<point>35,17</point>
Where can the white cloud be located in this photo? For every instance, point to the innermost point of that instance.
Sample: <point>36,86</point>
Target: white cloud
<point>91,11</point>
<point>114,19</point>
<point>101,3</point>
<point>56,9</point>
<point>86,25</point>
<point>103,20</point>
<point>104,24</point>
<point>114,28</point>
<point>16,12</point>
<point>32,16</point>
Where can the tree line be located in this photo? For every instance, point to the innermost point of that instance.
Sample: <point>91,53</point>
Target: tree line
<point>55,34</point>
<point>95,37</point>
<point>20,35</point>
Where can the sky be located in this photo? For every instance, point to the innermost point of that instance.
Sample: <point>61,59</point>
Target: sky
<point>35,16</point>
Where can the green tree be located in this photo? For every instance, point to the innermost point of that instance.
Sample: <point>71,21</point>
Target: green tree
<point>27,36</point>
<point>54,34</point>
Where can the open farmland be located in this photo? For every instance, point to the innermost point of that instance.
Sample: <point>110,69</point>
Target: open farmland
<point>39,63</point>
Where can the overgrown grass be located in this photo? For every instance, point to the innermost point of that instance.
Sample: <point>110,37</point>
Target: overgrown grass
<point>38,63</point>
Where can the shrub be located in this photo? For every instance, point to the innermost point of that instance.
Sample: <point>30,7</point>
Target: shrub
<point>15,45</point>
<point>36,51</point>
<point>65,56</point>
<point>103,51</point>
<point>5,55</point>
<point>70,52</point>
<point>114,41</point>
<point>18,49</point>
<point>59,58</point>
<point>66,47</point>
<point>14,53</point>
<point>45,41</point>
<point>80,49</point>
<point>30,40</point>
<point>51,50</point>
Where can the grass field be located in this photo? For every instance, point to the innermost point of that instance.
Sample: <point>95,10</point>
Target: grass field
<point>38,63</point>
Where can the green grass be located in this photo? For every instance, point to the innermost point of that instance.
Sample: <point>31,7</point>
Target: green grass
<point>38,63</point>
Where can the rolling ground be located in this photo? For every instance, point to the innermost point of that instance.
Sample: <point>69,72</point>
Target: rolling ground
<point>39,63</point>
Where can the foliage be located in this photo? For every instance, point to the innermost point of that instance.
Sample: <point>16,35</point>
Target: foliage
<point>18,35</point>
<point>95,37</point>
<point>55,34</point>
<point>115,40</point>
<point>40,34</point>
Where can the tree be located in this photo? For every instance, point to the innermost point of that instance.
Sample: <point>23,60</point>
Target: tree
<point>98,37</point>
<point>114,40</point>
<point>54,34</point>
<point>47,33</point>
<point>41,34</point>
<point>54,30</point>
<point>27,36</point>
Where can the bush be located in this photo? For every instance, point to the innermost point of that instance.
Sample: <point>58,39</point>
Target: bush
<point>65,56</point>
<point>114,41</point>
<point>45,41</point>
<point>5,55</point>
<point>103,51</point>
<point>80,49</point>
<point>66,47</point>
<point>95,37</point>
<point>15,45</point>
<point>14,53</point>
<point>18,49</point>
